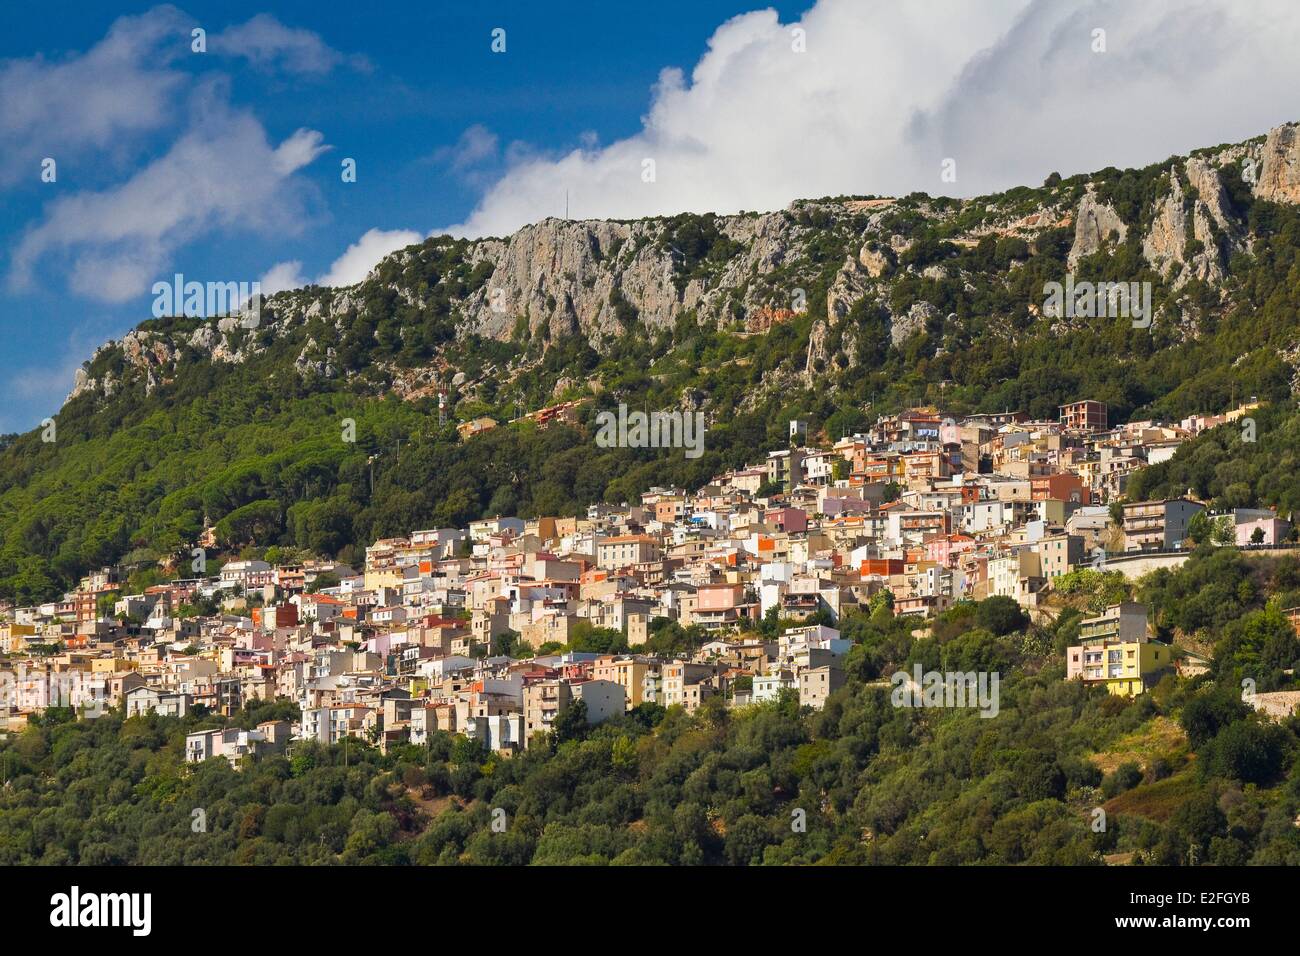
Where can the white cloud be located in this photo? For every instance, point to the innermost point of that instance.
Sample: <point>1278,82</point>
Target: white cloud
<point>476,159</point>
<point>282,276</point>
<point>221,174</point>
<point>364,254</point>
<point>121,87</point>
<point>475,145</point>
<point>348,269</point>
<point>125,86</point>
<point>216,171</point>
<point>49,383</point>
<point>297,151</point>
<point>48,378</point>
<point>267,43</point>
<point>1010,89</point>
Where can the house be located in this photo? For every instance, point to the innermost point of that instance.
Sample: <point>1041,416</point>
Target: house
<point>148,700</point>
<point>500,732</point>
<point>768,687</point>
<point>232,743</point>
<point>1086,415</point>
<point>818,683</point>
<point>275,616</point>
<point>1063,487</point>
<point>248,575</point>
<point>1259,526</point>
<point>1059,554</point>
<point>790,520</point>
<point>718,605</point>
<point>1158,525</point>
<point>627,672</point>
<point>785,467</point>
<point>476,426</point>
<point>688,684</point>
<point>1017,575</point>
<point>118,684</point>
<point>485,528</point>
<point>426,719</point>
<point>331,723</point>
<point>604,699</point>
<point>624,550</point>
<point>544,701</point>
<point>1114,652</point>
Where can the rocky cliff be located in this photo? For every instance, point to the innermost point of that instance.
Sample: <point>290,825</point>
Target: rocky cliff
<point>558,278</point>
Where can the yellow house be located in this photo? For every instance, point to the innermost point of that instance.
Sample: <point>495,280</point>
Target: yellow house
<point>12,635</point>
<point>627,672</point>
<point>1126,668</point>
<point>383,578</point>
<point>1114,651</point>
<point>111,665</point>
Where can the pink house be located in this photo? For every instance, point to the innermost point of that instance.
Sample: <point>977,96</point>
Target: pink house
<point>718,597</point>
<point>946,549</point>
<point>832,506</point>
<point>1275,529</point>
<point>789,520</point>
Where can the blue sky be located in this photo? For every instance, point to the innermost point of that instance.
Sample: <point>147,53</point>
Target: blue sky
<point>225,165</point>
<point>411,79</point>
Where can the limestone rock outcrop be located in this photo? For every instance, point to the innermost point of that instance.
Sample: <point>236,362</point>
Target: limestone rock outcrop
<point>1279,169</point>
<point>1095,223</point>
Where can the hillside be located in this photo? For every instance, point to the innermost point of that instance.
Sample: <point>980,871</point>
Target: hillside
<point>827,310</point>
<point>1186,774</point>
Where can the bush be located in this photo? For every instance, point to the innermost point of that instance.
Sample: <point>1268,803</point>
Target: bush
<point>1001,615</point>
<point>1204,716</point>
<point>1247,751</point>
<point>1125,777</point>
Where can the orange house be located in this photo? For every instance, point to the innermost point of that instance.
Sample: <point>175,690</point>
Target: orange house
<point>881,567</point>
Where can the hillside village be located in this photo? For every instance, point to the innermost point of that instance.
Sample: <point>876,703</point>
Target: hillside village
<point>494,631</point>
<point>737,437</point>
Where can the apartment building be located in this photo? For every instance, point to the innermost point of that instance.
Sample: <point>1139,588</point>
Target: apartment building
<point>628,672</point>
<point>624,550</point>
<point>785,467</point>
<point>1158,525</point>
<point>681,682</point>
<point>1115,652</point>
<point>232,743</point>
<point>818,683</point>
<point>1084,416</point>
<point>1017,575</point>
<point>1059,554</point>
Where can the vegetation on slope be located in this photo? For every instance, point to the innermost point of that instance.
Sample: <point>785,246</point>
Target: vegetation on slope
<point>256,447</point>
<point>1186,774</point>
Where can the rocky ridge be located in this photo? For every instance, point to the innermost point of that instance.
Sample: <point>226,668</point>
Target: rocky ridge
<point>558,277</point>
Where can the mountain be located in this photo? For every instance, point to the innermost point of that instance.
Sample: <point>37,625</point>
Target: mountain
<point>831,310</point>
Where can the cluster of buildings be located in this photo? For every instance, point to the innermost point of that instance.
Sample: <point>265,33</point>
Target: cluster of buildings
<point>428,635</point>
<point>566,412</point>
<point>1116,652</point>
